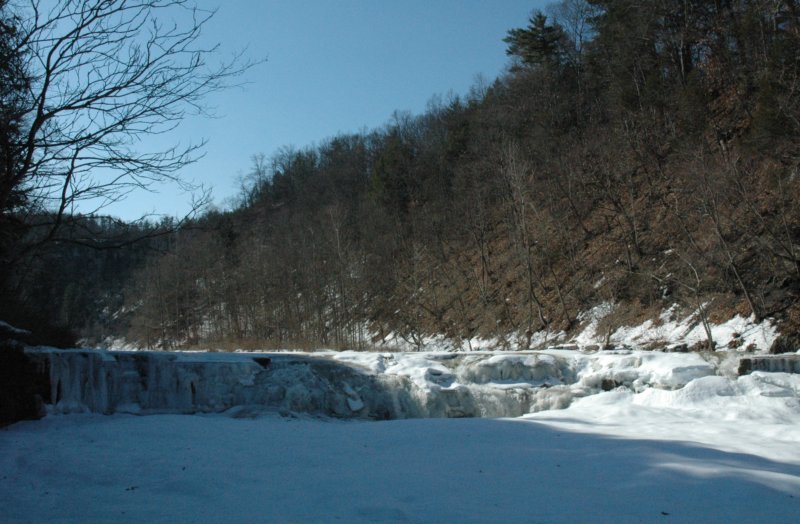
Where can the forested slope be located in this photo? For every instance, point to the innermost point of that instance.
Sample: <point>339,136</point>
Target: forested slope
<point>641,154</point>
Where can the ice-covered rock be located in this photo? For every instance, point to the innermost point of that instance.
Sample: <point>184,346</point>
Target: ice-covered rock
<point>772,363</point>
<point>535,369</point>
<point>353,385</point>
<point>639,370</point>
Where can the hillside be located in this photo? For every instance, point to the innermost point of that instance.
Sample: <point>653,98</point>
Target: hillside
<point>643,164</point>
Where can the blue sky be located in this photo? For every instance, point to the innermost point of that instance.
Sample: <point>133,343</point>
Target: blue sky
<point>333,66</point>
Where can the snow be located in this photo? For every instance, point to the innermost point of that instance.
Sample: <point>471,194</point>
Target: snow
<point>672,328</point>
<point>589,335</point>
<point>741,331</point>
<point>756,414</point>
<point>620,436</point>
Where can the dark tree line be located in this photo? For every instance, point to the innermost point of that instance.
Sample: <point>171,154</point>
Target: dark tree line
<point>638,153</point>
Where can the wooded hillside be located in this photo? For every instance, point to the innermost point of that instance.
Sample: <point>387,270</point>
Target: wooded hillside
<point>636,153</point>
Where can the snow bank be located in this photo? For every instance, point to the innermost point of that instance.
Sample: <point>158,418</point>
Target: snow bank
<point>672,329</point>
<point>669,330</point>
<point>760,411</point>
<point>639,370</point>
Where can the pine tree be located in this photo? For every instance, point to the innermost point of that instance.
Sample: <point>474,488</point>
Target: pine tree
<point>13,87</point>
<point>538,44</point>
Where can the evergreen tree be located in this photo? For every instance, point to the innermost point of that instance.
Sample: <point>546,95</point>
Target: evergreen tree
<point>538,44</point>
<point>13,85</point>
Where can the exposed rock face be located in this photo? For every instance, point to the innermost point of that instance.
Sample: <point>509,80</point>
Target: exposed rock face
<point>785,344</point>
<point>23,388</point>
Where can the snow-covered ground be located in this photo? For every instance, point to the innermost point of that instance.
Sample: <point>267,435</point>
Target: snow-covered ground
<point>675,438</point>
<point>181,468</point>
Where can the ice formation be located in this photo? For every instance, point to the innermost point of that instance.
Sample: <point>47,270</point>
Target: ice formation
<point>352,384</point>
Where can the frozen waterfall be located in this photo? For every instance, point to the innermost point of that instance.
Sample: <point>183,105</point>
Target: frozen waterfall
<point>349,384</point>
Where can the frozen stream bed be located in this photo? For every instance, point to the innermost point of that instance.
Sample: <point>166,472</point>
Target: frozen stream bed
<point>642,437</point>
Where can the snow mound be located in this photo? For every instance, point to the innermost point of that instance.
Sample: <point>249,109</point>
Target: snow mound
<point>538,370</point>
<point>750,397</point>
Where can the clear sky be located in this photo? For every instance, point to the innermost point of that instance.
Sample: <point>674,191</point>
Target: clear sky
<point>333,66</point>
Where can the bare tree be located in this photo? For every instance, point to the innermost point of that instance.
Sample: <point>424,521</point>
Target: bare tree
<point>105,74</point>
<point>517,173</point>
<point>575,19</point>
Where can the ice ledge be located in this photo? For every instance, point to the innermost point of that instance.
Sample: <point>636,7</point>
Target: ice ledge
<point>770,363</point>
<point>352,384</point>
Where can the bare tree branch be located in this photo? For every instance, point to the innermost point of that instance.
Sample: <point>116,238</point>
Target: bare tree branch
<point>105,74</point>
